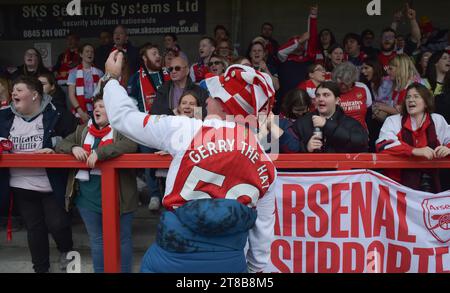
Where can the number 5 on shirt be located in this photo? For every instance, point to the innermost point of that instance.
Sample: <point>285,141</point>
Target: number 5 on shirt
<point>243,193</point>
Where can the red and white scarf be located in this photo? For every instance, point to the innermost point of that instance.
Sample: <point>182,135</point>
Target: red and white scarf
<point>124,48</point>
<point>85,104</point>
<point>148,91</point>
<point>106,136</point>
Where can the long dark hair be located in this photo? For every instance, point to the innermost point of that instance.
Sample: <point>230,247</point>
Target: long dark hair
<point>419,68</point>
<point>40,66</point>
<point>51,81</point>
<point>332,41</point>
<point>328,64</point>
<point>295,98</point>
<point>431,73</point>
<point>377,78</point>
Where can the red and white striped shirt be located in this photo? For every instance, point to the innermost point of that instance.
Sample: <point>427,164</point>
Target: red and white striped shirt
<point>212,159</point>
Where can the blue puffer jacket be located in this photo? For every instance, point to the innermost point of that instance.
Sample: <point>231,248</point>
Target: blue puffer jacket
<point>203,236</point>
<point>57,123</point>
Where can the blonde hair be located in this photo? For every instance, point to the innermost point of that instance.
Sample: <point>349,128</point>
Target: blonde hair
<point>405,72</point>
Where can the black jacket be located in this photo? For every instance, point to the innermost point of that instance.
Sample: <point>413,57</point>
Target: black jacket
<point>59,98</point>
<point>56,124</point>
<point>342,134</point>
<point>21,70</point>
<point>443,105</point>
<point>132,57</point>
<point>163,103</point>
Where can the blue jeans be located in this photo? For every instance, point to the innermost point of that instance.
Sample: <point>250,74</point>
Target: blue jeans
<point>152,181</point>
<point>93,222</point>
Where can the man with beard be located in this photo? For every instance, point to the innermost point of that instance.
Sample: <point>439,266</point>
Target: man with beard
<point>389,36</point>
<point>144,84</point>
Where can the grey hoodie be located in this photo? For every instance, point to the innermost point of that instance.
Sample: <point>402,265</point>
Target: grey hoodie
<point>46,99</point>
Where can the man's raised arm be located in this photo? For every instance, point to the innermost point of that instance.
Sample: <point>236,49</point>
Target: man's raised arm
<point>124,116</point>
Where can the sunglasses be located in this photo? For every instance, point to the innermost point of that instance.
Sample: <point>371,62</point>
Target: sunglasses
<point>215,63</point>
<point>176,68</point>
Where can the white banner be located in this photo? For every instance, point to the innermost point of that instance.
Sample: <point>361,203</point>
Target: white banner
<point>358,222</point>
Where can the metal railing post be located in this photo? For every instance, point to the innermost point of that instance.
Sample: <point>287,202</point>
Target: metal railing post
<point>111,218</point>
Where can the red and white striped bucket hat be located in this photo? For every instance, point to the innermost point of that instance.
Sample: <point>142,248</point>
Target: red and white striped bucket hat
<point>243,90</point>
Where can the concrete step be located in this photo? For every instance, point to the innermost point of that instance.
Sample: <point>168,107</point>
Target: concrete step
<point>18,260</point>
<point>144,232</point>
<point>15,256</point>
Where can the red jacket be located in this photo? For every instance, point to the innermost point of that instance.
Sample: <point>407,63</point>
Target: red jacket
<point>312,50</point>
<point>400,137</point>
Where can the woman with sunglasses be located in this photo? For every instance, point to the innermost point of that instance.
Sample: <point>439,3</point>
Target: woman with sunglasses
<point>217,65</point>
<point>416,132</point>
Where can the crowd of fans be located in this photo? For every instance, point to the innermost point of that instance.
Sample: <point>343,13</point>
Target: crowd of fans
<point>332,97</point>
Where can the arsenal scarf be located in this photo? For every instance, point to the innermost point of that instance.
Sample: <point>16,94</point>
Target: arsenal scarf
<point>148,89</point>
<point>85,104</point>
<point>106,136</point>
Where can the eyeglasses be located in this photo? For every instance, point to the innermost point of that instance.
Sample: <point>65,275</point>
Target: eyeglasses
<point>176,68</point>
<point>30,55</point>
<point>215,63</point>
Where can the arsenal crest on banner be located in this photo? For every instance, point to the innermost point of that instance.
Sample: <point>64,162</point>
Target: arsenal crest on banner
<point>436,214</point>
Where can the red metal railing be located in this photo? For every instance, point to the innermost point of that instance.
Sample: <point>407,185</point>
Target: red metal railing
<point>110,199</point>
